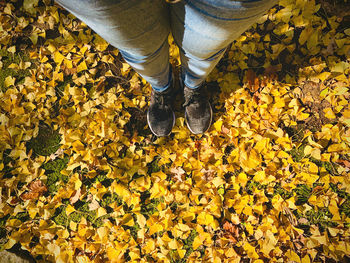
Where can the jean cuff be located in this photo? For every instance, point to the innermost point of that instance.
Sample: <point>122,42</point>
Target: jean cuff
<point>170,80</point>
<point>185,73</point>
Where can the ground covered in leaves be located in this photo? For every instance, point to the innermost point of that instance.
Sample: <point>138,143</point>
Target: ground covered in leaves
<point>84,180</point>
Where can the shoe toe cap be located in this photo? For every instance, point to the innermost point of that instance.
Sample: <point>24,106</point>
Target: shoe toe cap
<point>161,127</point>
<point>200,124</point>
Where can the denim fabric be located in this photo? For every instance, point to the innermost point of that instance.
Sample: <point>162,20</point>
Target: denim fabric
<point>204,28</point>
<point>139,29</point>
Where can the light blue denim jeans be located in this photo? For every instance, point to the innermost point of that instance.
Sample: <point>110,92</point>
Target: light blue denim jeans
<point>202,29</point>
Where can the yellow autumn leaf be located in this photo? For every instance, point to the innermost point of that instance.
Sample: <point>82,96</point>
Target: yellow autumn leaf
<point>197,242</point>
<point>69,209</point>
<point>182,252</point>
<point>333,208</point>
<point>82,66</point>
<point>9,81</point>
<point>329,113</point>
<point>204,218</point>
<point>58,57</point>
<point>154,228</point>
<point>269,243</point>
<point>12,49</point>
<point>306,259</point>
<point>291,255</point>
<point>305,34</point>
<point>217,125</point>
<point>113,254</point>
<point>336,147</point>
<point>324,75</point>
<point>141,220</point>
<point>101,212</point>
<point>250,250</point>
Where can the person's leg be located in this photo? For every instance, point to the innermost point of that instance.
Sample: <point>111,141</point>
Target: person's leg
<point>203,29</point>
<point>139,29</point>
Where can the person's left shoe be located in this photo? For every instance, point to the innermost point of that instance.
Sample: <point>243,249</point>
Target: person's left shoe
<point>198,112</point>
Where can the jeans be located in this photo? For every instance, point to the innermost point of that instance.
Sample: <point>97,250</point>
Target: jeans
<point>202,29</point>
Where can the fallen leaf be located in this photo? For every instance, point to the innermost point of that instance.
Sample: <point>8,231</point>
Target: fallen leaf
<point>36,189</point>
<point>75,197</point>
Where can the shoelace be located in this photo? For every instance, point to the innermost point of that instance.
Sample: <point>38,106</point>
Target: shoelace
<point>162,99</point>
<point>194,96</point>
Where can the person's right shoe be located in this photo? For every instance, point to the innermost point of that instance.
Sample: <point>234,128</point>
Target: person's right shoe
<point>160,114</point>
<point>198,112</point>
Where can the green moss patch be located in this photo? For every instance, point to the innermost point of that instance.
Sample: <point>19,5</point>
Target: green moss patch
<point>46,142</point>
<point>8,58</point>
<point>53,171</point>
<point>303,192</point>
<point>298,153</point>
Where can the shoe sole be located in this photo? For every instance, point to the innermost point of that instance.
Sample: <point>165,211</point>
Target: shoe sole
<point>154,131</point>
<point>211,119</point>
